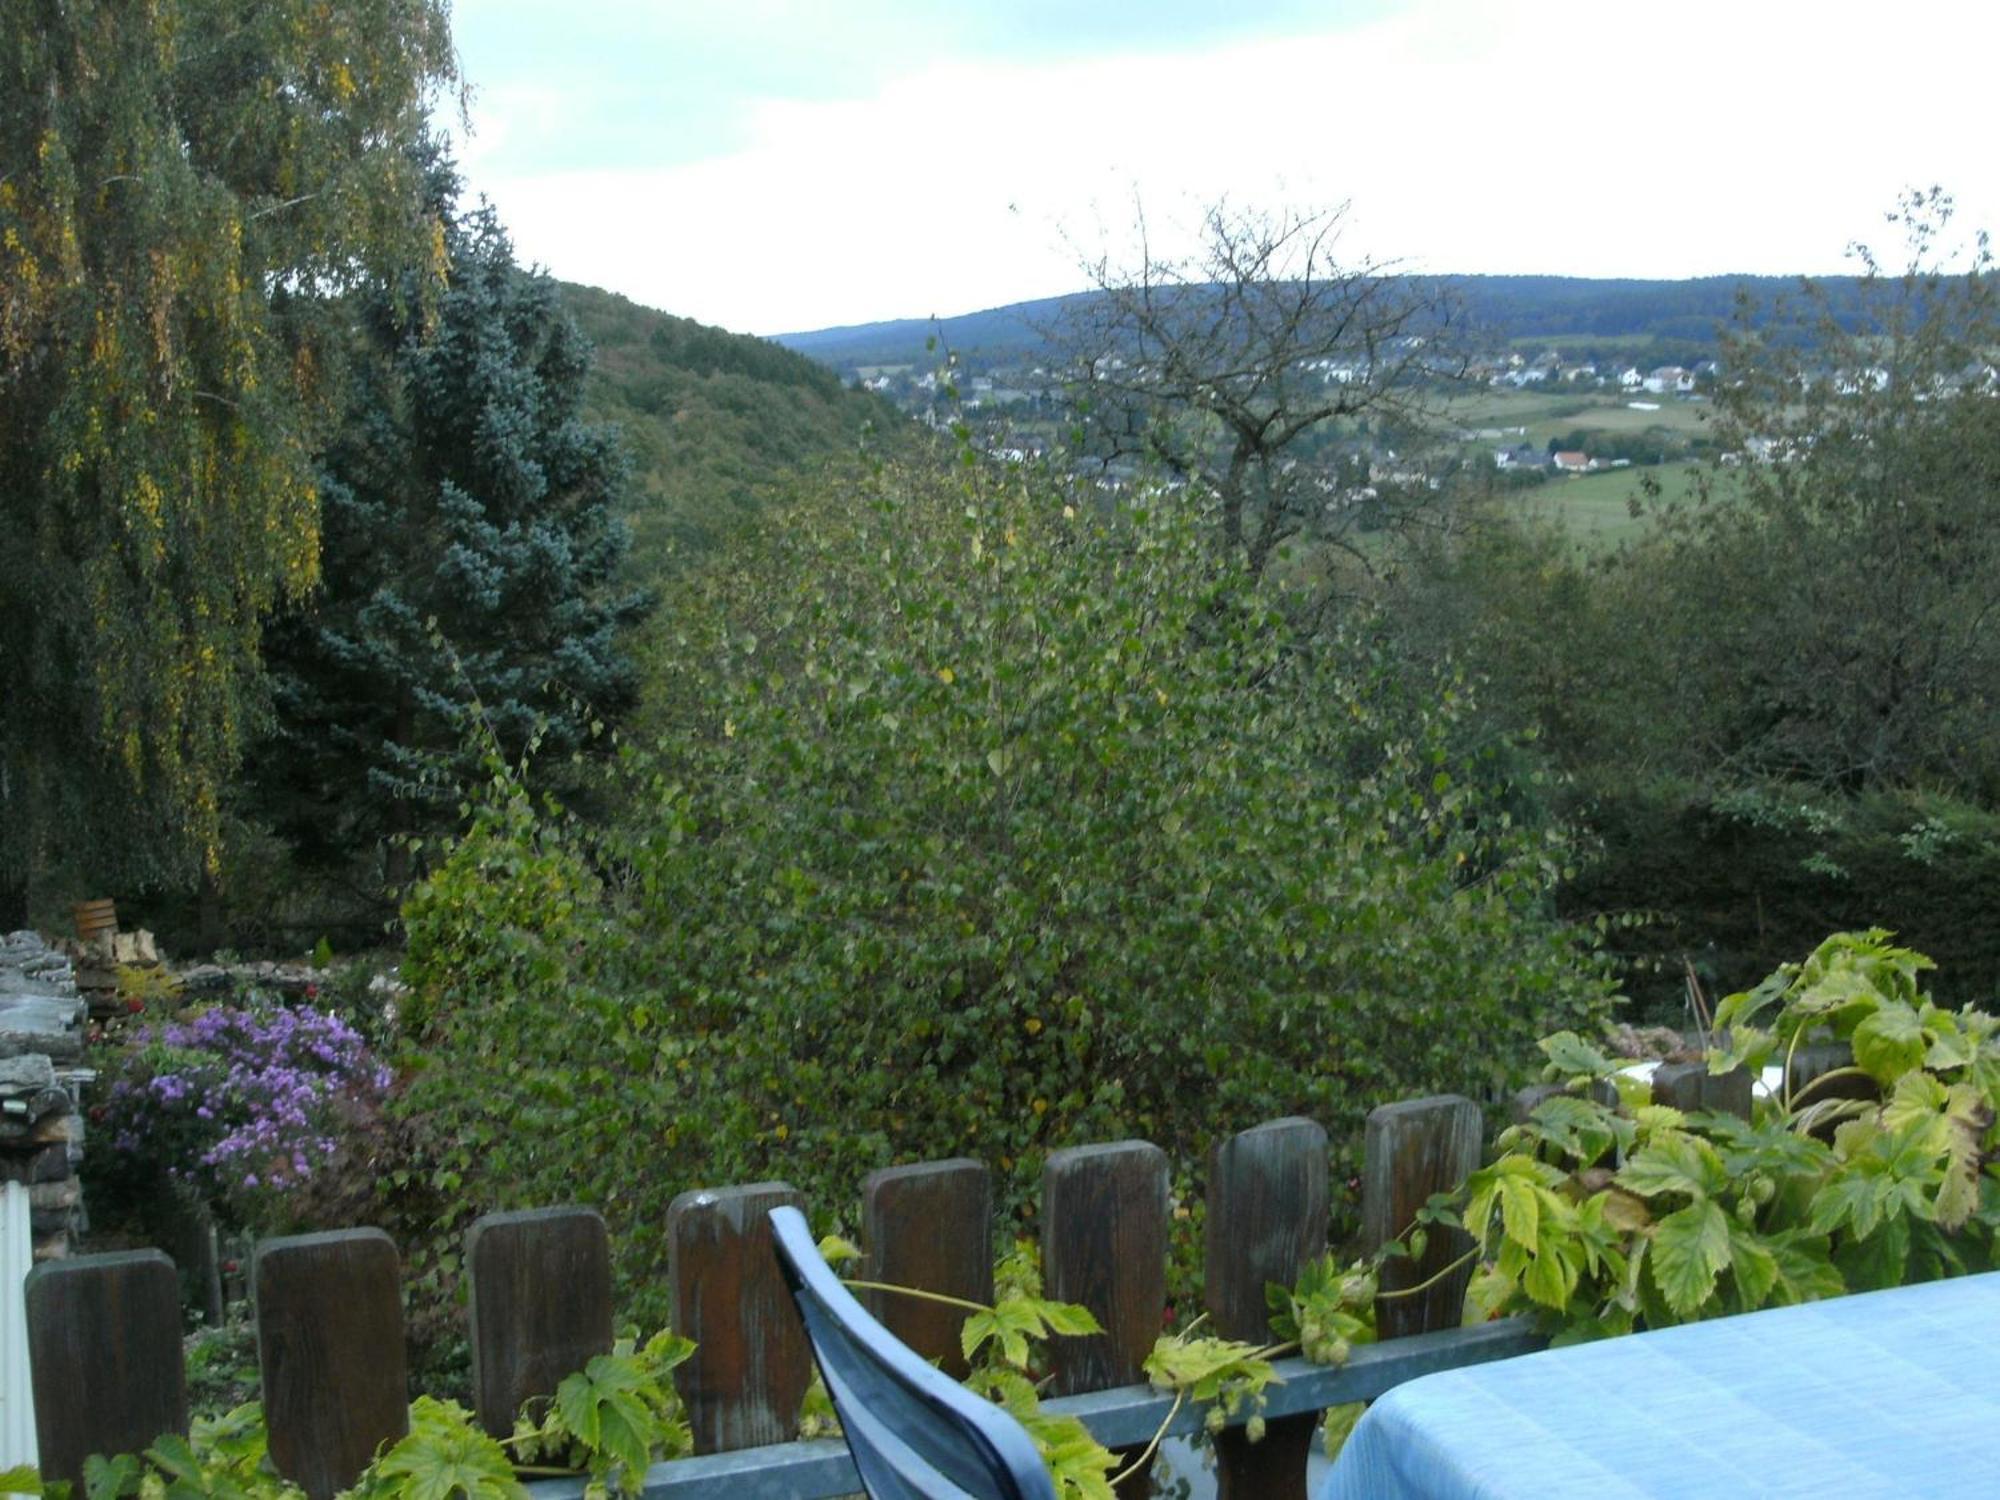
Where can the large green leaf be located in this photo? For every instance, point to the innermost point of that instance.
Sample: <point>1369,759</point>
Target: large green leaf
<point>1753,1265</point>
<point>445,1456</point>
<point>605,1407</point>
<point>1570,1056</point>
<point>1889,1042</point>
<point>1674,1162</point>
<point>1690,1249</point>
<point>1521,1212</point>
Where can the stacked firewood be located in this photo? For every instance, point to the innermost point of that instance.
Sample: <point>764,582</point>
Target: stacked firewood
<point>41,1048</point>
<point>98,960</point>
<point>41,1143</point>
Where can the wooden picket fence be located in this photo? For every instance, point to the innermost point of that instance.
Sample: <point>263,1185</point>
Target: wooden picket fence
<point>105,1331</point>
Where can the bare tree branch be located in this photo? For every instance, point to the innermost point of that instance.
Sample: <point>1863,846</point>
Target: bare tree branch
<point>1245,369</point>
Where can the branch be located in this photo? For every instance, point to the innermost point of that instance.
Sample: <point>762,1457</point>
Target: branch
<point>273,208</point>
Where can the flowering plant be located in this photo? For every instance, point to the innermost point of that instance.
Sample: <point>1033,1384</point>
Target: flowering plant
<point>240,1102</point>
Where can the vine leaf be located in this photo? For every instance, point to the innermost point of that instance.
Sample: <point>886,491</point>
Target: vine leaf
<point>445,1455</point>
<point>1015,1320</point>
<point>1571,1057</point>
<point>1690,1249</point>
<point>1753,1264</point>
<point>1889,1042</point>
<point>1673,1162</point>
<point>604,1406</point>
<point>110,1478</point>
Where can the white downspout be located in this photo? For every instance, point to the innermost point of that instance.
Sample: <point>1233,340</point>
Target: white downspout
<point>17,1401</point>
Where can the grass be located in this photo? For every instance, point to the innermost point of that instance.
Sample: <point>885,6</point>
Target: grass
<point>1596,508</point>
<point>1560,412</point>
<point>1627,341</point>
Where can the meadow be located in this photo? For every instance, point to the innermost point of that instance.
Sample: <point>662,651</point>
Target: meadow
<point>1597,508</point>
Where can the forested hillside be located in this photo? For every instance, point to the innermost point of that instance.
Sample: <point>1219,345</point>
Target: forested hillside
<point>710,417</point>
<point>1681,316</point>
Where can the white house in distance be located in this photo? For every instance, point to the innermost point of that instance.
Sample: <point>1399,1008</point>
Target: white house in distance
<point>1570,462</point>
<point>1669,378</point>
<point>1523,456</point>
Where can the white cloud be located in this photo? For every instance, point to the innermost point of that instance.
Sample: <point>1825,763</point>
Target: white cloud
<point>1569,136</point>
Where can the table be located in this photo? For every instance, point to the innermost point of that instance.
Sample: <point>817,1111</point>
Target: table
<point>1892,1393</point>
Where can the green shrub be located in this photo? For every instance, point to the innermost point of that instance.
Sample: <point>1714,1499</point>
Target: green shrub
<point>980,822</point>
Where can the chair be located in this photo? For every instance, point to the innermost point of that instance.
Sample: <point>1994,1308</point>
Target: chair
<point>915,1433</point>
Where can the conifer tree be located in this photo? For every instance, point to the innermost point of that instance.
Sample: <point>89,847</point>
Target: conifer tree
<point>472,546</point>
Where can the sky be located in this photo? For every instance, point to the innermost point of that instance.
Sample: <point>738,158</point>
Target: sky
<point>776,166</point>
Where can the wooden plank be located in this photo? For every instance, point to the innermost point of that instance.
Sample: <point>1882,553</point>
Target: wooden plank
<point>540,1305</point>
<point>929,1226</point>
<point>1120,1418</point>
<point>1523,1102</point>
<point>1104,1244</point>
<point>751,1363</point>
<point>104,1345</point>
<point>330,1351</point>
<point>1410,1151</point>
<point>1267,1214</point>
<point>1811,1063</point>
<point>1690,1087</point>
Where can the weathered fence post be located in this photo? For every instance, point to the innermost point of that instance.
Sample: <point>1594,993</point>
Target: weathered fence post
<point>1267,1211</point>
<point>1104,1244</point>
<point>929,1226</point>
<point>104,1343</point>
<point>751,1364</point>
<point>330,1351</point>
<point>1412,1150</point>
<point>540,1305</point>
<point>1689,1087</point>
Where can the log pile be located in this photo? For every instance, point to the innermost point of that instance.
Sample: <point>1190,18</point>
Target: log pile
<point>41,1126</point>
<point>97,960</point>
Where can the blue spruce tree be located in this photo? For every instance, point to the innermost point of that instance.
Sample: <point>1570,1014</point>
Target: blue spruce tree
<point>471,561</point>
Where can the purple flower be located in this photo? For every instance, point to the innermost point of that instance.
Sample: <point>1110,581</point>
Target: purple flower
<point>238,1097</point>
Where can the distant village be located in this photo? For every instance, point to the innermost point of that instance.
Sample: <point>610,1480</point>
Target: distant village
<point>1017,414</point>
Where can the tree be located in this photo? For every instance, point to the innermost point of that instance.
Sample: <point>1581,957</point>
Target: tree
<point>185,187</point>
<point>1848,559</point>
<point>980,815</point>
<point>1242,369</point>
<point>471,551</point>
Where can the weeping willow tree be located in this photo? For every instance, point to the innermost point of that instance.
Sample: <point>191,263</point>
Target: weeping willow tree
<point>187,189</point>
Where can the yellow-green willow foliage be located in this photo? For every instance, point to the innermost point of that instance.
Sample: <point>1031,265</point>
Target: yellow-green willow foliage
<point>187,187</point>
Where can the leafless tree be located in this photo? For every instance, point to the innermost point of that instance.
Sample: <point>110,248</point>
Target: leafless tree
<point>1240,368</point>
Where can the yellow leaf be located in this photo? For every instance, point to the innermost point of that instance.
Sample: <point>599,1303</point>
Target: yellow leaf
<point>947,676</point>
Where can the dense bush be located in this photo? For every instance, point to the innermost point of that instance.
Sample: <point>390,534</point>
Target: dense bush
<point>1733,881</point>
<point>979,822</point>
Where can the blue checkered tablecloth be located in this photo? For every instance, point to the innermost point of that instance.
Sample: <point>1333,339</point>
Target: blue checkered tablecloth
<point>1886,1394</point>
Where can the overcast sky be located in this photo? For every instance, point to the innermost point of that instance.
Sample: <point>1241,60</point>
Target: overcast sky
<point>782,165</point>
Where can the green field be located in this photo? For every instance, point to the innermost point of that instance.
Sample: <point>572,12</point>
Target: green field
<point>1626,341</point>
<point>1557,413</point>
<point>1596,508</point>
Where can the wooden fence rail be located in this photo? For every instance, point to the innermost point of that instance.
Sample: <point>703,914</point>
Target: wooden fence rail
<point>104,1331</point>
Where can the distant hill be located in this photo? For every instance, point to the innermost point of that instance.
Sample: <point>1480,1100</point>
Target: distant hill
<point>997,335</point>
<point>712,419</point>
<point>1679,316</point>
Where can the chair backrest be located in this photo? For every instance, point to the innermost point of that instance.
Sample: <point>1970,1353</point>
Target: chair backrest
<point>915,1433</point>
